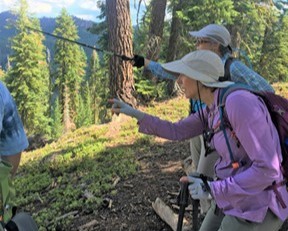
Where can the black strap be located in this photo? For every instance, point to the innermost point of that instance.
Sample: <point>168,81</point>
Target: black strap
<point>227,75</point>
<point>11,226</point>
<point>221,112</point>
<point>205,179</point>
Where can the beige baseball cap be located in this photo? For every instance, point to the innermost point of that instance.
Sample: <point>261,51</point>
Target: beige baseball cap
<point>216,32</point>
<point>202,65</point>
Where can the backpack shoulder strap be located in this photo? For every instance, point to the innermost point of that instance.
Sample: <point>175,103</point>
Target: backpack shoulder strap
<point>223,118</point>
<point>233,87</point>
<point>227,75</point>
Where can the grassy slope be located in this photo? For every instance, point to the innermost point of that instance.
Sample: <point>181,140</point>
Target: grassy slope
<point>75,172</point>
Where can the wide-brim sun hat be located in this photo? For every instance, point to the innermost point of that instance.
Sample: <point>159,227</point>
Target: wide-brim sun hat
<point>202,65</point>
<point>215,32</point>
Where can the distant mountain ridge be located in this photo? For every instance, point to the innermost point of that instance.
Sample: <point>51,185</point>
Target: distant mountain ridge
<point>47,25</point>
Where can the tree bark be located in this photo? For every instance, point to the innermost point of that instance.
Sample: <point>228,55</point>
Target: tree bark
<point>67,121</point>
<point>120,42</point>
<point>176,26</point>
<point>156,28</point>
<point>235,38</point>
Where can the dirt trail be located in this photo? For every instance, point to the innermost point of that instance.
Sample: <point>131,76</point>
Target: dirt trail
<point>131,208</point>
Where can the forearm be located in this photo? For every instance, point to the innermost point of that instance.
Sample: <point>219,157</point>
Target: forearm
<point>157,70</point>
<point>181,130</point>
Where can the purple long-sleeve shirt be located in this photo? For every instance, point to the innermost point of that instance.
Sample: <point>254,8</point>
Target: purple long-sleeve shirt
<point>238,192</point>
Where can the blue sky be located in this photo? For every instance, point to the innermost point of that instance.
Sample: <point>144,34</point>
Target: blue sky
<point>85,9</point>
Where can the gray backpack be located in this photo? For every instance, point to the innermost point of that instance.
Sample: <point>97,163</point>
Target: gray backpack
<point>21,222</point>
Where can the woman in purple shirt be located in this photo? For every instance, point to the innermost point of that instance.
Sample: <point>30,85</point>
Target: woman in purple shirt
<point>243,198</point>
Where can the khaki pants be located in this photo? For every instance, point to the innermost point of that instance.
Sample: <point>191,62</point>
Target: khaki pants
<point>203,164</point>
<point>223,222</point>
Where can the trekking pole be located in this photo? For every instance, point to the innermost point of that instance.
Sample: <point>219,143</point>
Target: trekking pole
<point>195,214</point>
<point>123,57</point>
<point>183,201</point>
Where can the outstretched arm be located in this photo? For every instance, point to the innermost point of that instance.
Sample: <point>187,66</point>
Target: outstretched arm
<point>184,129</point>
<point>121,107</point>
<point>155,68</point>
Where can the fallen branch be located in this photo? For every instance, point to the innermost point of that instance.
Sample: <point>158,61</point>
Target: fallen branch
<point>166,214</point>
<point>88,225</point>
<point>72,213</point>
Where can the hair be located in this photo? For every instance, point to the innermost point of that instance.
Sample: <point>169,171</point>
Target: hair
<point>224,50</point>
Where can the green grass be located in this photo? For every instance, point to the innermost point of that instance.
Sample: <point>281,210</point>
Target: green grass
<point>53,181</point>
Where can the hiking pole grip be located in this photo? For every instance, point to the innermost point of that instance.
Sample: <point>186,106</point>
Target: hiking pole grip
<point>183,201</point>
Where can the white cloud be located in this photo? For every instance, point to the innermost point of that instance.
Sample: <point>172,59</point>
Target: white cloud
<point>37,6</point>
<point>64,3</point>
<point>55,3</point>
<point>51,8</point>
<point>7,4</point>
<point>34,5</point>
<point>89,5</point>
<point>40,7</point>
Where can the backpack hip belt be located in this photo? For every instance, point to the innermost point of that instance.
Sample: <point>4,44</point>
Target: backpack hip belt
<point>275,187</point>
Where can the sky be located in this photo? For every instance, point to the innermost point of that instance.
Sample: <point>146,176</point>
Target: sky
<point>85,9</point>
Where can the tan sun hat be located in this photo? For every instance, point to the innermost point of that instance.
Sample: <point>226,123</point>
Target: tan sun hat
<point>202,65</point>
<point>215,32</point>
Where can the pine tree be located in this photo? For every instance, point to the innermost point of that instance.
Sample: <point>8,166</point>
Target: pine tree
<point>81,114</point>
<point>283,49</point>
<point>70,62</point>
<point>85,112</point>
<point>199,13</point>
<point>88,105</point>
<point>274,57</point>
<point>98,86</point>
<point>56,117</point>
<point>156,27</point>
<point>28,76</point>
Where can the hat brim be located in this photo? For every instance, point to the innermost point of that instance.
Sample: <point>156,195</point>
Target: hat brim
<point>197,34</point>
<point>179,67</point>
<point>218,84</point>
<point>200,34</point>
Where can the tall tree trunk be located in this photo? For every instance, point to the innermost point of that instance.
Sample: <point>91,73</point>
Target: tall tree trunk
<point>120,41</point>
<point>235,38</point>
<point>156,26</point>
<point>176,26</point>
<point>158,8</point>
<point>67,121</point>
<point>262,62</point>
